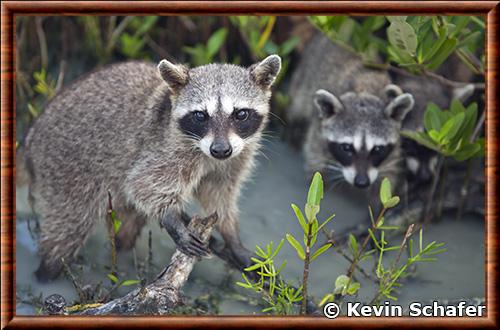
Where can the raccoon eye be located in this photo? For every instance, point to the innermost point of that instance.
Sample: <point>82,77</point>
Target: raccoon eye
<point>242,114</point>
<point>377,150</point>
<point>200,116</point>
<point>346,147</point>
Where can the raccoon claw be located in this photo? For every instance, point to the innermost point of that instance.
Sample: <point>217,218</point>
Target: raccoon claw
<point>193,246</point>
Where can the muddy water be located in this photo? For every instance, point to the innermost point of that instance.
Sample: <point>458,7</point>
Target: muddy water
<point>266,216</point>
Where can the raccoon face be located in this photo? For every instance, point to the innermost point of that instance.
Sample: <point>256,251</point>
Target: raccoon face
<point>420,161</point>
<point>360,133</point>
<point>220,107</point>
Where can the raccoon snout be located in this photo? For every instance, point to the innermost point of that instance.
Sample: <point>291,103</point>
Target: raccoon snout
<point>361,181</point>
<point>221,149</point>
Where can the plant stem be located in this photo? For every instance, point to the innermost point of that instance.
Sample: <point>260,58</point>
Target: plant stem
<point>427,216</point>
<point>331,240</point>
<point>442,190</point>
<point>305,276</point>
<point>111,234</point>
<point>464,190</point>
<point>357,258</point>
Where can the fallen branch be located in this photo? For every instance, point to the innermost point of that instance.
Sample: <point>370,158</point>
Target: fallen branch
<point>162,294</point>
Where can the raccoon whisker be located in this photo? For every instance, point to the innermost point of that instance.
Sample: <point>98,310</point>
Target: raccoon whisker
<point>192,136</point>
<point>278,117</point>
<point>334,167</point>
<point>260,152</point>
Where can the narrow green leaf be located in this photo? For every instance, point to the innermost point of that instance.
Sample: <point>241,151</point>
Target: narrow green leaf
<point>353,244</point>
<point>296,245</point>
<point>442,54</point>
<point>314,232</point>
<point>215,41</point>
<point>113,278</point>
<point>130,282</point>
<point>300,217</point>
<point>320,251</point>
<point>315,190</point>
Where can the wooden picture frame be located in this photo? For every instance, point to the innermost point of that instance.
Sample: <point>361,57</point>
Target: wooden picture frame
<point>490,9</point>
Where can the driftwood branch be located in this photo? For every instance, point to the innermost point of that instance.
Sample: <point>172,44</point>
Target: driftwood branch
<point>162,294</point>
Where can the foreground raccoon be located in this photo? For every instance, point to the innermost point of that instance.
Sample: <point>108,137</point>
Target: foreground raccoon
<point>154,137</point>
<point>353,116</point>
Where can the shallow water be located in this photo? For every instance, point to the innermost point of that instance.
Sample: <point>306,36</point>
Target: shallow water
<point>278,181</point>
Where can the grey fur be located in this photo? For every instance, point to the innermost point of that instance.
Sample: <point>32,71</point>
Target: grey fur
<point>117,130</point>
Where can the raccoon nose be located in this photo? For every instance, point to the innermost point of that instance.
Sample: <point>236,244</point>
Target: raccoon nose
<point>361,181</point>
<point>221,149</point>
<point>424,174</point>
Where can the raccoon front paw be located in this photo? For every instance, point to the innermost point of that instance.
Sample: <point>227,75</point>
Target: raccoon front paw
<point>190,244</point>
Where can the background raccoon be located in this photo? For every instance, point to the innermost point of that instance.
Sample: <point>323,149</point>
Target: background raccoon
<point>352,113</point>
<point>154,137</point>
<point>421,161</point>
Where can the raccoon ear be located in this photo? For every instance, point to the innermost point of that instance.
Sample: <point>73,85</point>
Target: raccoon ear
<point>327,103</point>
<point>463,93</point>
<point>265,72</point>
<point>392,91</point>
<point>398,108</point>
<point>175,75</point>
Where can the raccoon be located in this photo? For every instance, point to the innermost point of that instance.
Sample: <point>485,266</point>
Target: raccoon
<point>351,114</point>
<point>155,138</point>
<point>421,161</point>
<point>324,65</point>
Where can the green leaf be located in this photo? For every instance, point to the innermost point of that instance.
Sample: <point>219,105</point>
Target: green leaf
<point>146,25</point>
<point>320,251</point>
<point>253,267</point>
<point>289,45</point>
<point>396,19</point>
<point>113,278</point>
<point>385,191</point>
<point>421,138</point>
<point>457,107</point>
<point>448,46</point>
<point>431,117</point>
<point>130,282</point>
<point>451,127</point>
<point>215,42</point>
<point>116,222</point>
<point>314,232</point>
<point>244,285</point>
<point>300,217</point>
<point>468,151</point>
<point>436,45</point>
<point>402,36</point>
<point>353,244</point>
<point>434,135</point>
<point>296,245</point>
<point>327,298</point>
<point>326,221</point>
<point>311,212</point>
<point>470,121</point>
<point>353,288</point>
<point>341,283</point>
<point>391,203</point>
<point>315,190</point>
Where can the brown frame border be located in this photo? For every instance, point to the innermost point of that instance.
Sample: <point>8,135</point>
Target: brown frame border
<point>9,9</point>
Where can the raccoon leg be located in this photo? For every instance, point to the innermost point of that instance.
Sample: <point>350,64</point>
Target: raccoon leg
<point>219,194</point>
<point>186,241</point>
<point>62,234</point>
<point>130,229</point>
